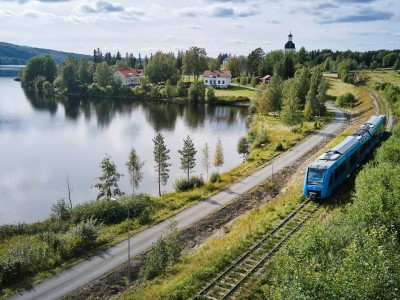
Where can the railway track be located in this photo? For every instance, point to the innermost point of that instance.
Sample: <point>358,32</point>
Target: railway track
<point>227,283</point>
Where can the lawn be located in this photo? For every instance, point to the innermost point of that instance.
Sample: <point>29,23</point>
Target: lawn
<point>236,91</point>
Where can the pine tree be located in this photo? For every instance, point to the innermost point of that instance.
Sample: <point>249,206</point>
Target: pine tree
<point>161,157</point>
<point>188,152</point>
<point>243,146</point>
<point>219,155</point>
<point>135,169</point>
<point>108,185</point>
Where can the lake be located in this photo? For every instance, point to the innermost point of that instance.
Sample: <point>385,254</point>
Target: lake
<point>44,140</point>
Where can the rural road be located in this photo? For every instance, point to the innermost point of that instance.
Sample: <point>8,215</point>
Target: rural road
<point>81,274</point>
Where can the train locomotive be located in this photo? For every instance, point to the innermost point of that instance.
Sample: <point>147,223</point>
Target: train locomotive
<point>330,169</point>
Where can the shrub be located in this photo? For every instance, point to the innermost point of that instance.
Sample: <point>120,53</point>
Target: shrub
<point>80,238</point>
<point>215,177</point>
<point>279,147</point>
<point>60,210</point>
<point>261,140</point>
<point>210,94</point>
<point>105,211</point>
<point>196,91</point>
<point>183,184</point>
<point>346,99</point>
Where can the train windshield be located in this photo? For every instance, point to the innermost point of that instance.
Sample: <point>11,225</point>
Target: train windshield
<point>315,176</point>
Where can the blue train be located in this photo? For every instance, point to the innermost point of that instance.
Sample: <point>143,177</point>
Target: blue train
<point>333,167</point>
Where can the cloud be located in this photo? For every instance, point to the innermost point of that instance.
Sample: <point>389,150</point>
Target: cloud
<point>223,12</point>
<point>31,14</point>
<point>364,15</point>
<point>132,14</point>
<point>225,1</point>
<point>189,13</point>
<point>6,13</point>
<point>102,6</point>
<point>43,1</point>
<point>240,12</point>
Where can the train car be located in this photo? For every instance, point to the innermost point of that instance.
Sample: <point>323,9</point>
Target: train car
<point>330,169</point>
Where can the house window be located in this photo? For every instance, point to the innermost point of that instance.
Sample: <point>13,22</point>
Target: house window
<point>219,82</point>
<point>206,81</point>
<point>223,81</point>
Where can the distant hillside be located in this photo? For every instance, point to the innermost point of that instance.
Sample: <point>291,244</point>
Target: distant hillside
<point>11,54</point>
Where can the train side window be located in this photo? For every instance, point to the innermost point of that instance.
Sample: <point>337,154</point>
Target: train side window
<point>331,180</point>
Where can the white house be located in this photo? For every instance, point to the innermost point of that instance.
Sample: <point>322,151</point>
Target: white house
<point>127,77</point>
<point>217,79</point>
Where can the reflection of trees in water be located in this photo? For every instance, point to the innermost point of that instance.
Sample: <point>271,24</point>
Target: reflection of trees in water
<point>41,102</point>
<point>195,114</point>
<point>161,115</point>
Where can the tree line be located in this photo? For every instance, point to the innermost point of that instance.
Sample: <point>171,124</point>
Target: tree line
<point>108,181</point>
<point>163,71</point>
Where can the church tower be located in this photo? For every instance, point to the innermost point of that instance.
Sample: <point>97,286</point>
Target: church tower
<point>289,46</point>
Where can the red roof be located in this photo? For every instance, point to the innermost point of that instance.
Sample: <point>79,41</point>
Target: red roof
<point>129,72</point>
<point>208,73</point>
<point>266,77</point>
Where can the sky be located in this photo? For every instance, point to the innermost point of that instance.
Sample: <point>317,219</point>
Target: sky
<point>235,27</point>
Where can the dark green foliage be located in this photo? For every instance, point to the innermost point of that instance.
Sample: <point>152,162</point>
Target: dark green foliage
<point>43,66</point>
<point>345,100</point>
<point>108,181</point>
<point>11,54</point>
<point>161,67</point>
<point>279,147</point>
<point>197,91</point>
<point>184,184</point>
<point>260,140</point>
<point>243,146</point>
<point>161,158</point>
<point>112,212</point>
<point>188,156</point>
<point>215,177</point>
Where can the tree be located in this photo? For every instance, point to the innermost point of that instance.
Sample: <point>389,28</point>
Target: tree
<point>311,109</point>
<point>302,85</point>
<point>161,67</point>
<point>274,94</point>
<point>103,74</point>
<point>219,155</point>
<point>84,74</point>
<point>205,159</point>
<point>195,61</point>
<point>161,157</point>
<point>197,91</point>
<point>243,146</point>
<point>234,66</point>
<point>39,66</point>
<point>188,153</point>
<point>291,112</point>
<point>135,169</point>
<point>214,64</point>
<point>108,185</point>
<point>254,60</point>
<point>288,67</point>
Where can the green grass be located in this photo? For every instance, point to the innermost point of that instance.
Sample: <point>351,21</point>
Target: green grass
<point>384,75</point>
<point>236,92</point>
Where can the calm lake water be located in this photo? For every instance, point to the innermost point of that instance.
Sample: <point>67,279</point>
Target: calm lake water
<point>43,140</point>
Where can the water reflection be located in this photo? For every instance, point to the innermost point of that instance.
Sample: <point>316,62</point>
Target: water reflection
<point>162,115</point>
<point>44,137</point>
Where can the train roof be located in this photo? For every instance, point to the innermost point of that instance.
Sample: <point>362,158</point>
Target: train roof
<point>328,158</point>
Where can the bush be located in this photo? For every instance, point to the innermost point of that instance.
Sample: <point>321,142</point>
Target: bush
<point>105,211</point>
<point>112,212</point>
<point>80,238</point>
<point>210,94</point>
<point>261,140</point>
<point>215,177</point>
<point>196,91</point>
<point>346,99</point>
<point>183,184</point>
<point>60,210</point>
<point>279,147</point>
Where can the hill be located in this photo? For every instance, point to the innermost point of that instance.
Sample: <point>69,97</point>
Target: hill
<point>11,54</point>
